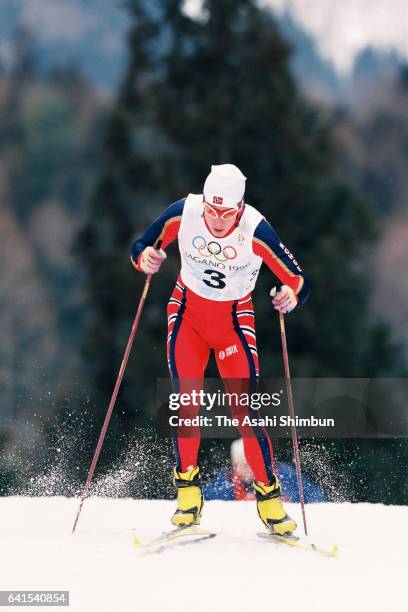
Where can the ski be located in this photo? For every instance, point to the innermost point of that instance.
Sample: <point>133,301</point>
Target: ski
<point>197,534</point>
<point>300,543</point>
<point>194,532</point>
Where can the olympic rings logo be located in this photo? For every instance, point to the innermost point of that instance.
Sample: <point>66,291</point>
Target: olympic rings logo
<point>213,249</point>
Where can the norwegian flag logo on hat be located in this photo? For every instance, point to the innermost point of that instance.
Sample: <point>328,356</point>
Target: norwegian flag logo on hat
<point>218,200</point>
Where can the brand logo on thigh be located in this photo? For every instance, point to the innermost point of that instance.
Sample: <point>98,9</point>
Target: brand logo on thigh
<point>230,350</point>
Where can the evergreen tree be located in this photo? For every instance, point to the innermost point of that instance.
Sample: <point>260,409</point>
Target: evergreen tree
<point>219,91</point>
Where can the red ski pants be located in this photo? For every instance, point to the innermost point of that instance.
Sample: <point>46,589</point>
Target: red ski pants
<point>195,326</point>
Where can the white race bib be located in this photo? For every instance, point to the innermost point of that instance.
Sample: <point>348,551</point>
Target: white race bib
<point>217,268</point>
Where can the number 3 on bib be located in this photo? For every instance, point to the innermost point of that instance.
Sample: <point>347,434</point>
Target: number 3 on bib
<point>216,279</point>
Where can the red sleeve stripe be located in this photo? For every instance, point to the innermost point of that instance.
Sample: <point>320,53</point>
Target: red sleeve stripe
<point>169,231</point>
<point>136,264</point>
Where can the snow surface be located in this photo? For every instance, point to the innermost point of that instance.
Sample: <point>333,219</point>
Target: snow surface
<point>236,570</point>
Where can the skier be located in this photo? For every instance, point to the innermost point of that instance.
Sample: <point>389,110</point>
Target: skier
<point>234,483</point>
<point>223,242</point>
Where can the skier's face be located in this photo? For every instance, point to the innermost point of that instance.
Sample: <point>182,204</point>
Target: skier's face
<point>219,220</point>
<point>243,471</point>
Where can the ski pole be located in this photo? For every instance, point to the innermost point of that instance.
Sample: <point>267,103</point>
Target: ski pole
<point>114,396</point>
<point>291,414</point>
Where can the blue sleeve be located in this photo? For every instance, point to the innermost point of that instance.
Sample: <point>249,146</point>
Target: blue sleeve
<point>159,230</point>
<point>268,245</point>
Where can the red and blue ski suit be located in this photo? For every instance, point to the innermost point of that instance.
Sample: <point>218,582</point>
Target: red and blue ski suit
<point>196,325</point>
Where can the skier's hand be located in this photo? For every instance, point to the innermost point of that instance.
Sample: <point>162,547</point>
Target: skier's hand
<point>151,260</point>
<point>284,300</point>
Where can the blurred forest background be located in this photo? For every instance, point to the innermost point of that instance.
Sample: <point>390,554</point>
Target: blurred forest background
<point>95,142</point>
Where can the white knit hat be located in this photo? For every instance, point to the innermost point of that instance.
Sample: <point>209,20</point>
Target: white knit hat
<point>224,186</point>
<point>237,452</point>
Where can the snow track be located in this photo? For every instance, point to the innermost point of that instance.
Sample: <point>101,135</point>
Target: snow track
<point>236,570</point>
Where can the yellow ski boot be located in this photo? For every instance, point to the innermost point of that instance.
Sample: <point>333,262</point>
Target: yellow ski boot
<point>190,498</point>
<point>271,510</point>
